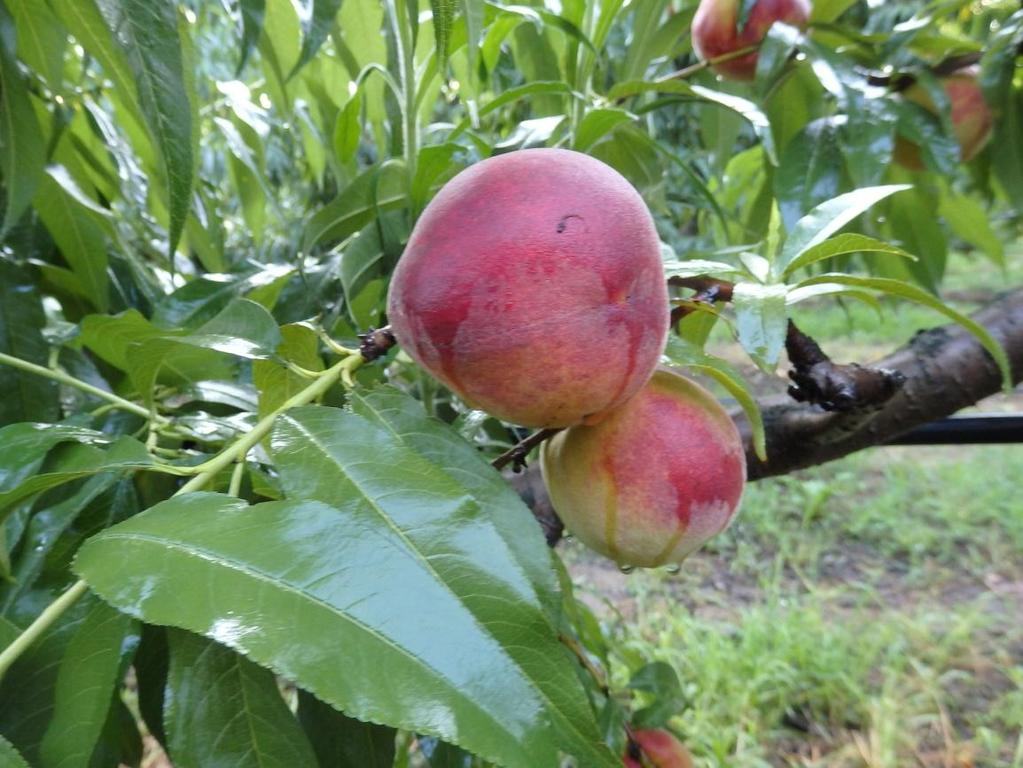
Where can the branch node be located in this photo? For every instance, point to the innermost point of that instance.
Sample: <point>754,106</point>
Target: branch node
<point>376,342</point>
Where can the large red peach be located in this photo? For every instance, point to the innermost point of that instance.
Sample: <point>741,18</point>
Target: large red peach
<point>654,480</point>
<point>715,31</point>
<point>971,117</point>
<point>659,748</point>
<point>532,287</point>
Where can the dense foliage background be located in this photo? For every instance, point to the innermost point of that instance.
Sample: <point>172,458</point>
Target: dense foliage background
<point>201,206</point>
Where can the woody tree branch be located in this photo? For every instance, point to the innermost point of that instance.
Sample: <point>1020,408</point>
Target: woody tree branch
<point>942,371</point>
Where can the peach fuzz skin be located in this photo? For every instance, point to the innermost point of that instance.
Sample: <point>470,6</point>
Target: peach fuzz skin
<point>971,118</point>
<point>661,750</point>
<point>715,31</point>
<point>654,480</point>
<point>532,287</point>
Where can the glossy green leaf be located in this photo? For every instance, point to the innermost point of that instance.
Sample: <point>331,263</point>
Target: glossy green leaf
<point>23,446</point>
<point>697,267</point>
<point>912,293</point>
<point>826,219</point>
<point>22,142</point>
<point>847,242</point>
<point>79,227</point>
<point>938,149</point>
<point>151,665</point>
<point>222,710</point>
<point>689,355</point>
<point>148,32</point>
<point>761,320</point>
<point>404,419</point>
<point>45,530</point>
<point>810,171</point>
<point>124,454</point>
<point>28,688</point>
<point>27,397</point>
<point>407,573</point>
<point>89,672</point>
<point>341,741</point>
<point>868,140</point>
<point>9,756</point>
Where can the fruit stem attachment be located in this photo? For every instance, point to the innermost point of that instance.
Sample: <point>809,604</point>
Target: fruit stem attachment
<point>699,66</point>
<point>516,455</point>
<point>63,378</point>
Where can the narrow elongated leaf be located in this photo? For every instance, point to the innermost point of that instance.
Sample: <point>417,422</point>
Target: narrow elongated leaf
<point>473,11</point>
<point>826,219</point>
<point>125,454</point>
<point>745,107</point>
<point>315,29</point>
<point>762,320</point>
<point>223,711</point>
<point>443,19</point>
<point>89,672</point>
<point>596,124</point>
<point>407,574</point>
<point>918,295</point>
<point>9,755</point>
<point>22,142</point>
<point>514,94</point>
<point>810,171</point>
<point>847,242</point>
<point>252,12</point>
<point>341,741</point>
<point>41,39</point>
<point>697,267</point>
<point>684,353</point>
<point>23,446</point>
<point>148,32</point>
<point>79,229</point>
<point>359,203</point>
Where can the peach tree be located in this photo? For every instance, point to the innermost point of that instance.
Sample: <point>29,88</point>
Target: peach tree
<point>236,513</point>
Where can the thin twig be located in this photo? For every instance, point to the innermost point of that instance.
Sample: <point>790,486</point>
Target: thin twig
<point>516,455</point>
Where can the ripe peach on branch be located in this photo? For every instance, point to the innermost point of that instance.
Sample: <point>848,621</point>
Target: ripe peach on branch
<point>654,480</point>
<point>532,287</point>
<point>716,31</point>
<point>657,748</point>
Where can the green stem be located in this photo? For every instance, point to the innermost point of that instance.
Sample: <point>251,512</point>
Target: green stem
<point>209,470</point>
<point>71,381</point>
<point>407,59</point>
<point>50,614</point>
<point>236,477</point>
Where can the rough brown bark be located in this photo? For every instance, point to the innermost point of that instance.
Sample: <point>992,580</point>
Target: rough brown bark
<point>945,370</point>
